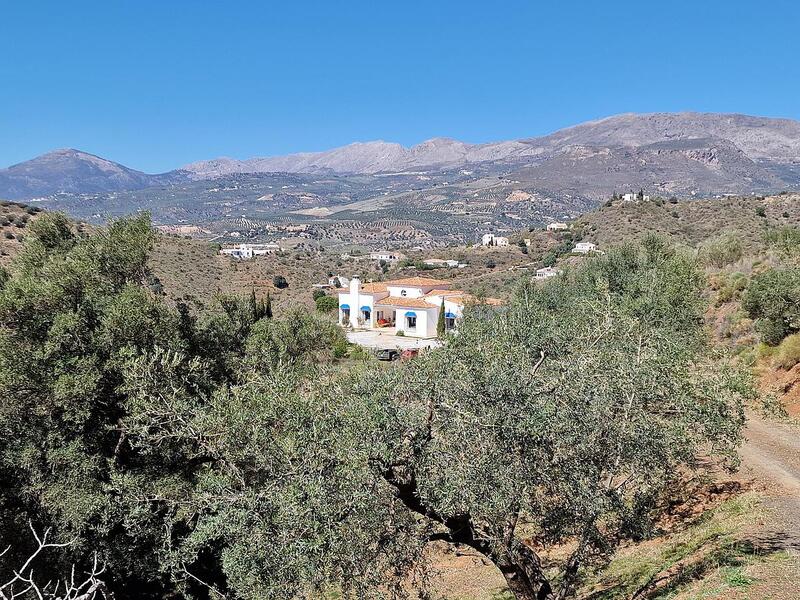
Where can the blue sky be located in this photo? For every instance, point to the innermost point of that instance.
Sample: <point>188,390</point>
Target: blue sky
<point>157,84</point>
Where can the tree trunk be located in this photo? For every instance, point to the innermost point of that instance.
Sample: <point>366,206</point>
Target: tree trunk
<point>520,585</point>
<point>522,571</point>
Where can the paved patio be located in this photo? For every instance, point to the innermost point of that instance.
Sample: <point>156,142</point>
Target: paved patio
<point>386,338</point>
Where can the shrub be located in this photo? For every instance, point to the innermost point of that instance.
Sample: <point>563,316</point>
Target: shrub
<point>783,239</point>
<point>279,281</point>
<point>721,251</point>
<point>317,293</point>
<point>326,304</point>
<point>761,212</point>
<point>788,353</point>
<point>773,299</point>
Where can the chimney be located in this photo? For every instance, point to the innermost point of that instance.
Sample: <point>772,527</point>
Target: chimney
<point>355,287</point>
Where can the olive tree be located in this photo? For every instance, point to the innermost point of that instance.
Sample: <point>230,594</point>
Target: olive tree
<point>558,422</point>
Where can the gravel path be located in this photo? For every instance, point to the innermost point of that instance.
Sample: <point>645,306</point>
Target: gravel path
<point>771,456</point>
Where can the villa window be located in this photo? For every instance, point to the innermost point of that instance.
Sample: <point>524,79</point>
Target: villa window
<point>366,313</point>
<point>411,320</point>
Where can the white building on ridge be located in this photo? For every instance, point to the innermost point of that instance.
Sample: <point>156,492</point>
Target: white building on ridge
<point>547,273</point>
<point>387,255</point>
<point>557,227</point>
<point>584,248</point>
<point>248,251</point>
<point>490,239</point>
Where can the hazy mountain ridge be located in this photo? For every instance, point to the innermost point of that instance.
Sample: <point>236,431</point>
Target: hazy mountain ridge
<point>758,137</point>
<point>70,170</point>
<point>698,153</point>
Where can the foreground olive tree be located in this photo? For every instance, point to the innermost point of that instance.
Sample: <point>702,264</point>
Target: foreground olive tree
<point>558,422</point>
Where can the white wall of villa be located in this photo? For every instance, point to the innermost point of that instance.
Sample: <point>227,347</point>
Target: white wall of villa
<point>410,306</point>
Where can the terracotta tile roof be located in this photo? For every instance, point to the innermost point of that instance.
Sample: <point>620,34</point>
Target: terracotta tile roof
<point>405,302</point>
<point>460,297</point>
<point>367,288</point>
<point>418,282</point>
<point>373,288</point>
<point>446,293</point>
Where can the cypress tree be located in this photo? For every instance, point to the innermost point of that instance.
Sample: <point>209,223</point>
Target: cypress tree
<point>253,305</point>
<point>440,323</point>
<point>268,307</point>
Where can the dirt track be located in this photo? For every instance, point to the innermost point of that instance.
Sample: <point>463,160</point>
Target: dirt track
<point>771,457</point>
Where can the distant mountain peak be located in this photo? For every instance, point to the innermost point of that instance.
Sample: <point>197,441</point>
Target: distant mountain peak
<point>762,149</point>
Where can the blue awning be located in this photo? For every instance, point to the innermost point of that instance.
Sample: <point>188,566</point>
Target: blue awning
<point>344,306</point>
<point>411,313</point>
<point>366,308</point>
<point>449,315</point>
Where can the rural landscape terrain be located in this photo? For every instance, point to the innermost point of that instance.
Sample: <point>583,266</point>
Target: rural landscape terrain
<point>437,193</point>
<point>704,271</point>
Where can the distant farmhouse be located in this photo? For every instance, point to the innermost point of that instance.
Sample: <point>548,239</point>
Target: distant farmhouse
<point>557,227</point>
<point>336,281</point>
<point>439,262</point>
<point>546,273</point>
<point>632,197</point>
<point>386,255</point>
<point>408,307</point>
<point>490,239</point>
<point>248,251</point>
<point>584,248</point>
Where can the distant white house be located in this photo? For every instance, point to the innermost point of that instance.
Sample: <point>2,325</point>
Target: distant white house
<point>248,251</point>
<point>403,306</point>
<point>632,197</point>
<point>386,255</point>
<point>547,273</point>
<point>584,248</point>
<point>337,281</point>
<point>557,227</point>
<point>490,239</point>
<point>439,262</point>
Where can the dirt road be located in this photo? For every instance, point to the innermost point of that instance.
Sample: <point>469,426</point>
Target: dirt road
<point>771,457</point>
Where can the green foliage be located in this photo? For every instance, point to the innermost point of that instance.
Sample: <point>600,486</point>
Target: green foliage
<point>327,304</point>
<point>788,354</point>
<point>576,422</point>
<point>220,446</point>
<point>784,239</point>
<point>773,299</point>
<point>109,401</point>
<point>440,322</point>
<point>279,281</point>
<point>317,293</point>
<point>723,250</point>
<point>761,212</point>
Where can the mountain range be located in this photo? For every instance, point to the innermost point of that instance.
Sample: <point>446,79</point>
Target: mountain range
<point>699,153</point>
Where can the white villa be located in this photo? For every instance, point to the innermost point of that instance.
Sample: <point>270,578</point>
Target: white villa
<point>490,239</point>
<point>584,248</point>
<point>547,273</point>
<point>409,305</point>
<point>386,255</point>
<point>440,262</point>
<point>632,197</point>
<point>557,227</point>
<point>248,251</point>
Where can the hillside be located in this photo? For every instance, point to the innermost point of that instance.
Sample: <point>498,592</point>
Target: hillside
<point>440,192</point>
<point>69,170</point>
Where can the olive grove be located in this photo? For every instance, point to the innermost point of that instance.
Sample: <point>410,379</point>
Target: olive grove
<point>231,454</point>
